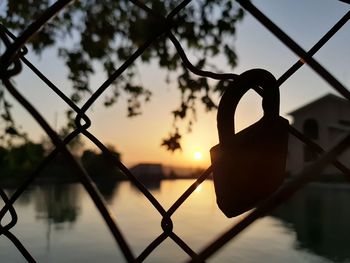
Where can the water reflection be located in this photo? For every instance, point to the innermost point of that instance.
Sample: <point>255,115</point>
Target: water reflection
<point>24,200</point>
<point>320,219</point>
<point>151,185</point>
<point>108,188</point>
<point>61,203</point>
<point>58,203</point>
<point>60,223</point>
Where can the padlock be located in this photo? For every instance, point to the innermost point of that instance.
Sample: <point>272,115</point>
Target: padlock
<point>250,165</point>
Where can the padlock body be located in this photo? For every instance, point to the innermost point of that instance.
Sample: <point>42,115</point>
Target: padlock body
<point>250,166</point>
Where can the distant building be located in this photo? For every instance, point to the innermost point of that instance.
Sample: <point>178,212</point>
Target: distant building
<point>325,121</point>
<point>148,172</point>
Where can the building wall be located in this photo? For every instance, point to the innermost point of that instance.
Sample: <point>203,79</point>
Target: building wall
<point>327,114</point>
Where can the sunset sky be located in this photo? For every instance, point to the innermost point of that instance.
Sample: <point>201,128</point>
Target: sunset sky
<point>138,139</point>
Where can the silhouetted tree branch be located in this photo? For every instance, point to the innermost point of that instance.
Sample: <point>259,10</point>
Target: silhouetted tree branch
<point>91,32</point>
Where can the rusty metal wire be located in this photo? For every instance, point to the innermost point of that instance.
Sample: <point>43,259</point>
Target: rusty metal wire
<point>11,64</point>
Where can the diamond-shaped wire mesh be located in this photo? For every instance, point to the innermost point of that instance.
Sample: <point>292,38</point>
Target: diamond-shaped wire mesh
<point>15,56</point>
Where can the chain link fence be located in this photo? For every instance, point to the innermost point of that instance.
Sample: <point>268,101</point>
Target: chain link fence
<point>14,57</point>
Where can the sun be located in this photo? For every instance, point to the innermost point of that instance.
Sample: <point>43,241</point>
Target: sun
<point>197,155</point>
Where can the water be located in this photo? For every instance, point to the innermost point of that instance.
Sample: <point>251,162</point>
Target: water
<point>59,223</point>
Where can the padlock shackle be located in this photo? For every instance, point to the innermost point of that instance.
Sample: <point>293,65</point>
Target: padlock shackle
<point>253,78</point>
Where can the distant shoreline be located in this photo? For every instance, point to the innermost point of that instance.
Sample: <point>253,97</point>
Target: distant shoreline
<point>50,180</point>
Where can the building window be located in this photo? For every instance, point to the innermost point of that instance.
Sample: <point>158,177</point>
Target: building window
<point>310,130</point>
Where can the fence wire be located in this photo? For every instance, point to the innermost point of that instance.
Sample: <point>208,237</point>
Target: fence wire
<point>14,57</point>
